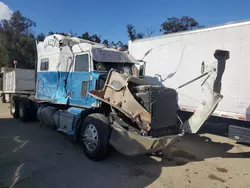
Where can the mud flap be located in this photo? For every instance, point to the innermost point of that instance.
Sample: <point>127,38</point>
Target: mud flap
<point>211,87</point>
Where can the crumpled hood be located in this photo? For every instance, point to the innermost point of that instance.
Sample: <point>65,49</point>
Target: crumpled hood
<point>117,94</point>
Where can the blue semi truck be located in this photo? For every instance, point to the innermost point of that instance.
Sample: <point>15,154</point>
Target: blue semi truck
<point>94,94</point>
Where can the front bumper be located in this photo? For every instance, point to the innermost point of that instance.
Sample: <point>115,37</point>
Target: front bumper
<point>131,144</point>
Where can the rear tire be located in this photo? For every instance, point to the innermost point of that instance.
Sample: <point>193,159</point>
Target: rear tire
<point>95,136</point>
<point>24,110</point>
<point>3,98</point>
<point>14,105</point>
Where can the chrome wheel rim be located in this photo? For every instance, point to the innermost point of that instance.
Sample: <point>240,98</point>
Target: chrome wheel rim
<point>90,137</point>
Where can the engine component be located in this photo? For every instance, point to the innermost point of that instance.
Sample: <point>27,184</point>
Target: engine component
<point>162,105</point>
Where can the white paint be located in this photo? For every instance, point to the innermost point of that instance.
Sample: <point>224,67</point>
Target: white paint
<point>16,175</point>
<point>62,58</point>
<point>60,51</point>
<point>5,12</point>
<point>200,46</point>
<point>18,80</point>
<point>23,143</point>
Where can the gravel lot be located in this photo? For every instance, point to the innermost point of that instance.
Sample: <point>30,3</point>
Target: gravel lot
<point>31,156</point>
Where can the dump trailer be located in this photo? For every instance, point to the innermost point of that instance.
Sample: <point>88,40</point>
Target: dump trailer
<point>16,82</point>
<point>92,93</point>
<point>172,59</point>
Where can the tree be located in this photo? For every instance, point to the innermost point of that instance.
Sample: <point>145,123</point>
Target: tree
<point>150,31</point>
<point>123,47</point>
<point>112,44</point>
<point>174,24</point>
<point>85,36</point>
<point>132,33</point>
<point>20,25</point>
<point>40,37</point>
<point>17,41</point>
<point>140,35</point>
<point>51,33</point>
<point>119,44</point>
<point>105,42</point>
<point>95,38</point>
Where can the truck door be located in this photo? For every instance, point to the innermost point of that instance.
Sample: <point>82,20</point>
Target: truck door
<point>79,80</point>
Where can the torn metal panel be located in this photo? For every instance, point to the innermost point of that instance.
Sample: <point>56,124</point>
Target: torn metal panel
<point>119,93</point>
<point>131,144</point>
<point>116,93</point>
<point>211,87</point>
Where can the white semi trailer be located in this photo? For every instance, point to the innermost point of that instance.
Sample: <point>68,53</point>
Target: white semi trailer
<point>16,82</point>
<point>173,59</point>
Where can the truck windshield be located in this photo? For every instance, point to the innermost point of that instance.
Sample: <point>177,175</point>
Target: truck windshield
<point>127,68</point>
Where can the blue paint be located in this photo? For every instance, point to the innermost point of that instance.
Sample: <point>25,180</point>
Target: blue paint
<point>77,116</point>
<point>74,124</point>
<point>66,87</point>
<point>50,87</point>
<point>75,111</point>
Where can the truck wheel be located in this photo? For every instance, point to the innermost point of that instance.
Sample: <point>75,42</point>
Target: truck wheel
<point>3,98</point>
<point>14,107</point>
<point>23,110</point>
<point>32,111</point>
<point>95,135</point>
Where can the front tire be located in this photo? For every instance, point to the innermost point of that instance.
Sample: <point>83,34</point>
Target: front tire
<point>95,135</point>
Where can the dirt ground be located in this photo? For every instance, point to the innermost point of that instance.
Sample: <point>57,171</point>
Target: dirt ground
<point>32,157</point>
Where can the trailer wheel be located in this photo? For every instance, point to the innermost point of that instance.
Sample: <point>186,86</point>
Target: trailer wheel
<point>14,107</point>
<point>23,110</point>
<point>95,135</point>
<point>3,98</point>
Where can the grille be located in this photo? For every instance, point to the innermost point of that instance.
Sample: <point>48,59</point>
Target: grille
<point>162,104</point>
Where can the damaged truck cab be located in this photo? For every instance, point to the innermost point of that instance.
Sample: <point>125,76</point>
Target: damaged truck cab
<point>92,93</point>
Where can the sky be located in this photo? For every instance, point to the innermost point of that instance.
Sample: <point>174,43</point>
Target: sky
<point>109,18</point>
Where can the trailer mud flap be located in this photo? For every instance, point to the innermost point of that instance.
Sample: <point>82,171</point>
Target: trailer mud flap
<point>211,88</point>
